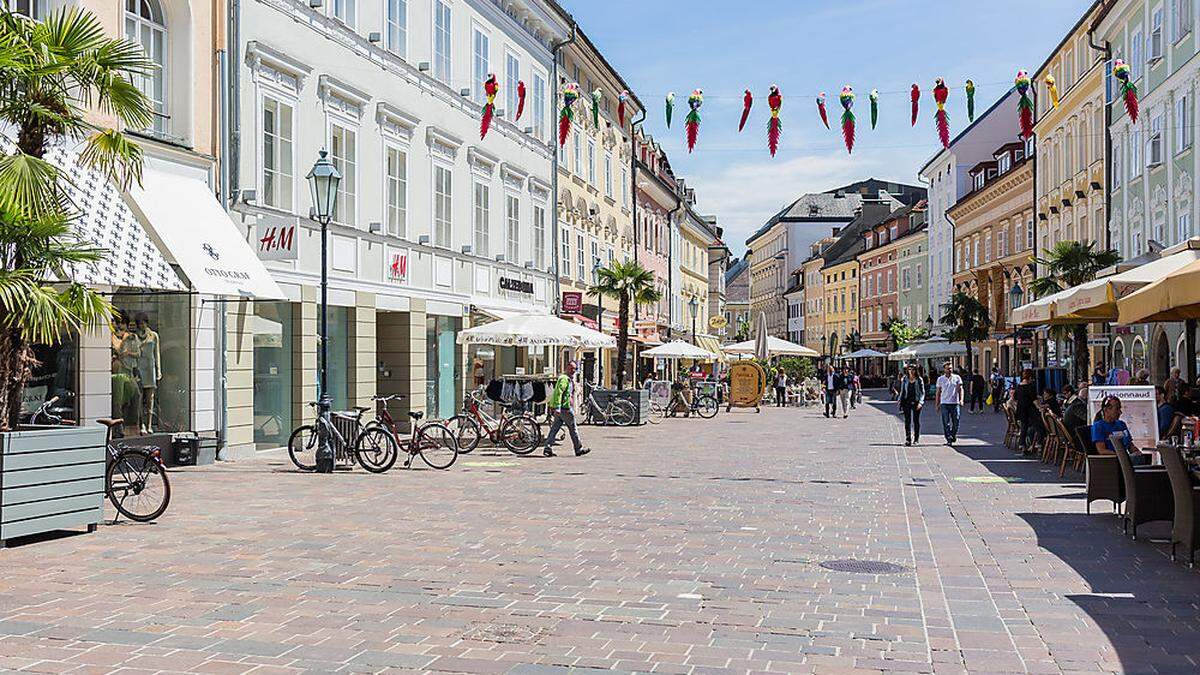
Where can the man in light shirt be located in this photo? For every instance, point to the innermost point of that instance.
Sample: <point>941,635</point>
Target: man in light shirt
<point>949,401</point>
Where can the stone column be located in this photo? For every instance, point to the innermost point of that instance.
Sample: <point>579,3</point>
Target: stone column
<point>362,338</point>
<point>304,354</point>
<point>239,380</point>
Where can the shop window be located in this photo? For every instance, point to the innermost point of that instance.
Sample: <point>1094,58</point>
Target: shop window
<point>145,25</point>
<point>55,373</point>
<point>151,363</point>
<point>272,327</point>
<point>443,366</point>
<point>338,352</point>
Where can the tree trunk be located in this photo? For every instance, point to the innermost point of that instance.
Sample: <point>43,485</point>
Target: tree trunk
<point>970,361</point>
<point>1083,356</point>
<point>622,339</point>
<point>15,371</point>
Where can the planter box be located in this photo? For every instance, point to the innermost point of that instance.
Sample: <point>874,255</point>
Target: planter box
<point>640,398</point>
<point>51,478</point>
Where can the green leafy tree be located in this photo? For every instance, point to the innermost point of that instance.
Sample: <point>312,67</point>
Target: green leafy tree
<point>968,320</point>
<point>798,367</point>
<point>625,282</point>
<point>51,73</point>
<point>743,330</point>
<point>900,333</point>
<point>1069,264</point>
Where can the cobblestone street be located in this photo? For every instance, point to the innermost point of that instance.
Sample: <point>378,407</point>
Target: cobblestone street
<point>693,546</point>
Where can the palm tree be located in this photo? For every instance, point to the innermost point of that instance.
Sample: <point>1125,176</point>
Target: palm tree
<point>625,282</point>
<point>51,73</point>
<point>1069,264</point>
<point>968,320</point>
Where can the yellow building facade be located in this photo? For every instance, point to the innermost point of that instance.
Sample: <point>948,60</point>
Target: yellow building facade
<point>841,303</point>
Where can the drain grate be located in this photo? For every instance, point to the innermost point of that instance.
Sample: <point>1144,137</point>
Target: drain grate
<point>863,566</point>
<point>503,633</point>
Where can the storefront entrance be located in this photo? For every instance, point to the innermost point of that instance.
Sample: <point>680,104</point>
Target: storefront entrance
<point>273,374</point>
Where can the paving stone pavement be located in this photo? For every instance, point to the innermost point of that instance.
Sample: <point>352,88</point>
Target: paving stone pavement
<point>694,546</point>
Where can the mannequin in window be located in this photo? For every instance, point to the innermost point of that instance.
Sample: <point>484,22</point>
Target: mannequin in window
<point>149,369</point>
<point>126,347</point>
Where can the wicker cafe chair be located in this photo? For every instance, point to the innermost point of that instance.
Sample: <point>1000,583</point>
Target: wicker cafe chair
<point>1050,441</point>
<point>1147,491</point>
<point>1012,433</point>
<point>1102,472</point>
<point>1071,452</point>
<point>1185,529</point>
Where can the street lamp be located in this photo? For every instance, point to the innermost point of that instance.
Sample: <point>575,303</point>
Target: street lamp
<point>928,326</point>
<point>823,339</point>
<point>1015,295</point>
<point>694,306</point>
<point>323,180</point>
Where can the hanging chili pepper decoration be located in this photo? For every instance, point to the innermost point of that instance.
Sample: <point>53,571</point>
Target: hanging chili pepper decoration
<point>970,88</point>
<point>821,109</point>
<point>940,93</point>
<point>915,95</point>
<point>1128,89</point>
<point>490,89</point>
<point>622,101</point>
<point>774,125</point>
<point>670,107</point>
<point>874,107</point>
<point>847,101</point>
<point>570,94</point>
<point>596,98</point>
<point>520,100</point>
<point>747,102</point>
<point>1024,104</point>
<point>1052,88</point>
<point>693,118</point>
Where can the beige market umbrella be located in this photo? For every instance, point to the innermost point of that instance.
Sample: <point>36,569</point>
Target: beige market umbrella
<point>1172,298</point>
<point>762,350</point>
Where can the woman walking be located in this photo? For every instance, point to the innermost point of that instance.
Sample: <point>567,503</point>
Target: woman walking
<point>912,398</point>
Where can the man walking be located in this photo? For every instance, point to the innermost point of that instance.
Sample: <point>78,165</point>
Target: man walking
<point>560,411</point>
<point>949,400</point>
<point>831,388</point>
<point>781,381</point>
<point>978,391</point>
<point>997,389</point>
<point>912,398</point>
<point>845,391</point>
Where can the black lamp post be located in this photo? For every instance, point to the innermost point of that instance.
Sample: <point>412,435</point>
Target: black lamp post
<point>323,181</point>
<point>824,338</point>
<point>694,306</point>
<point>928,326</point>
<point>1015,295</point>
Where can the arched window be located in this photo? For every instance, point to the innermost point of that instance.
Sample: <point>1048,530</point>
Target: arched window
<point>146,25</point>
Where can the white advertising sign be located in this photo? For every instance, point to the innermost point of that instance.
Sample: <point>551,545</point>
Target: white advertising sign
<point>397,266</point>
<point>277,238</point>
<point>1139,411</point>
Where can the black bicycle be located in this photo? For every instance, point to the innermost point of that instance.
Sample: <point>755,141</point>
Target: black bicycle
<point>135,479</point>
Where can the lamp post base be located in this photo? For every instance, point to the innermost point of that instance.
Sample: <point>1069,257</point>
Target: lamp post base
<point>325,455</point>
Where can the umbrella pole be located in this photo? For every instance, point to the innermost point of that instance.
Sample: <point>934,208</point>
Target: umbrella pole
<point>1189,341</point>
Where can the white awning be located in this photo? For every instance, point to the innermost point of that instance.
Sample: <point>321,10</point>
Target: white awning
<point>184,217</point>
<point>103,220</point>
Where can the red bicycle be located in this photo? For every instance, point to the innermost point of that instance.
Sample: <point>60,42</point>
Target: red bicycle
<point>377,444</point>
<point>516,430</point>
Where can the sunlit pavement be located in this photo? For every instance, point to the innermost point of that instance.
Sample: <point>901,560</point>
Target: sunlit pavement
<point>732,544</point>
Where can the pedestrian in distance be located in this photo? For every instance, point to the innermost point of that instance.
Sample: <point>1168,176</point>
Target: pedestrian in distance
<point>846,391</point>
<point>1027,412</point>
<point>832,378</point>
<point>781,382</point>
<point>978,391</point>
<point>561,414</point>
<point>912,399</point>
<point>997,389</point>
<point>949,400</point>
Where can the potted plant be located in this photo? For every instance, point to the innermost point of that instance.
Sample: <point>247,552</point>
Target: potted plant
<point>627,283</point>
<point>54,75</point>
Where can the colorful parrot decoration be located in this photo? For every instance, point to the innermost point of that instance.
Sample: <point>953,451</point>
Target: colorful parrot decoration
<point>597,96</point>
<point>1128,89</point>
<point>847,100</point>
<point>670,107</point>
<point>915,95</point>
<point>821,109</point>
<point>970,87</point>
<point>570,94</point>
<point>940,93</point>
<point>693,118</point>
<point>874,107</point>
<point>1053,89</point>
<point>520,100</point>
<point>1025,104</point>
<point>747,102</point>
<point>490,89</point>
<point>774,126</point>
<point>622,101</point>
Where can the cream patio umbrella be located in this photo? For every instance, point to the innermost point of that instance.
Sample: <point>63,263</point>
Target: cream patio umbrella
<point>679,349</point>
<point>535,330</point>
<point>775,347</point>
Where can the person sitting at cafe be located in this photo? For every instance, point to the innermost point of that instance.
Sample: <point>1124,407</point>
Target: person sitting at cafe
<point>1027,412</point>
<point>1110,423</point>
<point>1074,408</point>
<point>1050,400</point>
<point>1166,412</point>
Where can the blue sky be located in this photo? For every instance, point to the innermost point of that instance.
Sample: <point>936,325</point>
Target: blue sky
<point>809,46</point>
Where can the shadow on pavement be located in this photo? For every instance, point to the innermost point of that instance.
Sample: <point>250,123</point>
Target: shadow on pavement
<point>1145,604</point>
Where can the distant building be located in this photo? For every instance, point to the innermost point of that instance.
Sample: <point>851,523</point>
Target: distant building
<point>737,296</point>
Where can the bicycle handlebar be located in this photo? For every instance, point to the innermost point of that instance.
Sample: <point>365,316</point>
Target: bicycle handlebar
<point>390,397</point>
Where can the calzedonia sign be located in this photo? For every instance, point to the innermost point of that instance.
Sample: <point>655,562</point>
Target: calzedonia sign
<point>518,285</point>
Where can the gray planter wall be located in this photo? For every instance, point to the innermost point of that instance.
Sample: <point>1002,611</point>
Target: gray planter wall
<point>51,478</point>
<point>639,397</point>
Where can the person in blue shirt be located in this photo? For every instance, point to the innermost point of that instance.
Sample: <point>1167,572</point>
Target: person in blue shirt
<point>1166,412</point>
<point>1110,422</point>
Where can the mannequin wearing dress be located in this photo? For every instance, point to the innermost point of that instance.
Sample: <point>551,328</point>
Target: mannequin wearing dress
<point>126,349</point>
<point>149,364</point>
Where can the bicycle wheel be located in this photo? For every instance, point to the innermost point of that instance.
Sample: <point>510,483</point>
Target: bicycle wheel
<point>657,413</point>
<point>375,449</point>
<point>137,486</point>
<point>302,447</point>
<point>621,412</point>
<point>706,407</point>
<point>466,431</point>
<point>520,434</point>
<point>437,445</point>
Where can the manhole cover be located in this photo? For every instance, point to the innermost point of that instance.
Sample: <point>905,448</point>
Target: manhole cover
<point>503,633</point>
<point>863,566</point>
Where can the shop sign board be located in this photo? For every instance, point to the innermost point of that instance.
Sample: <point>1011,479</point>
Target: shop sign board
<point>517,285</point>
<point>1139,411</point>
<point>572,302</point>
<point>397,266</point>
<point>278,237</point>
<point>718,322</point>
<point>747,382</point>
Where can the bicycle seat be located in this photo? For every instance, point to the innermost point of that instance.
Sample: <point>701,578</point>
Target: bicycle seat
<point>111,423</point>
<point>416,414</point>
<point>360,409</point>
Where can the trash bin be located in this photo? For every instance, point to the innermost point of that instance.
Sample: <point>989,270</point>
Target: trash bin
<point>184,448</point>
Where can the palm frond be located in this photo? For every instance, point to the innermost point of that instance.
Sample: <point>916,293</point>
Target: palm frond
<point>29,184</point>
<point>114,155</point>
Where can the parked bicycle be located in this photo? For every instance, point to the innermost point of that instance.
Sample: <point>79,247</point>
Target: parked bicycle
<point>617,412</point>
<point>704,405</point>
<point>514,429</point>
<point>135,479</point>
<point>376,447</point>
<point>305,439</point>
